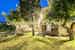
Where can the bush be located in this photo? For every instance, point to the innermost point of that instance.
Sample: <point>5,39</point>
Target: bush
<point>5,27</point>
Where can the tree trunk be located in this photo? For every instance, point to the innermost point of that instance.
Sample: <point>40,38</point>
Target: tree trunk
<point>41,17</point>
<point>72,34</point>
<point>71,37</point>
<point>33,32</point>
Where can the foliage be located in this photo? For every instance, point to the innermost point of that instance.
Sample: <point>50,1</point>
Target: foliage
<point>5,27</point>
<point>27,6</point>
<point>24,12</point>
<point>62,9</point>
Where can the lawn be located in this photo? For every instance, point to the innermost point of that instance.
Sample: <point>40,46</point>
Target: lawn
<point>28,42</point>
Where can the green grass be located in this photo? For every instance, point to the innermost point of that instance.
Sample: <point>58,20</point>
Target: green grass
<point>28,42</point>
<point>68,45</point>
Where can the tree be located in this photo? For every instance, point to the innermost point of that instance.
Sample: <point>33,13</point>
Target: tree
<point>61,10</point>
<point>27,8</point>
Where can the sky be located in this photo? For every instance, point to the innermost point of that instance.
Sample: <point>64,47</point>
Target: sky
<point>6,6</point>
<point>43,3</point>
